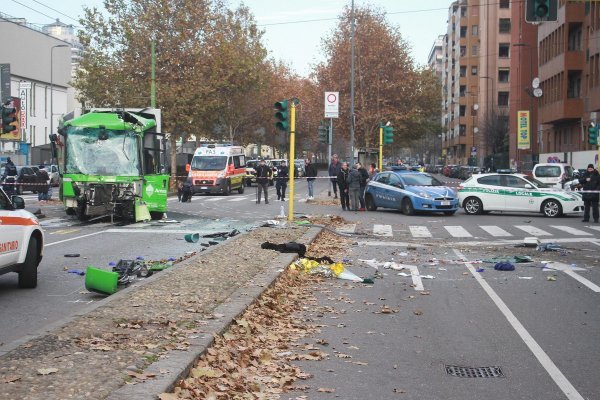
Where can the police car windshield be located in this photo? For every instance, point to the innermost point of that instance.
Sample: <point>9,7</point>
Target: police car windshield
<point>209,163</point>
<point>420,180</point>
<point>537,183</point>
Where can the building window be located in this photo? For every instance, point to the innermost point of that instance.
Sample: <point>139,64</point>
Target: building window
<point>504,50</point>
<point>463,12</point>
<point>462,130</point>
<point>463,71</point>
<point>462,90</point>
<point>574,85</point>
<point>463,51</point>
<point>473,70</point>
<point>462,111</point>
<point>503,75</point>
<point>502,99</point>
<point>504,4</point>
<point>575,32</point>
<point>475,30</point>
<point>474,50</point>
<point>463,31</point>
<point>504,25</point>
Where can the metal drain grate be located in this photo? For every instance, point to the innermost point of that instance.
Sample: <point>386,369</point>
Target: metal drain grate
<point>474,372</point>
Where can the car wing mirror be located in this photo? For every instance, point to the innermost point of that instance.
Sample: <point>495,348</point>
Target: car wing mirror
<point>18,202</point>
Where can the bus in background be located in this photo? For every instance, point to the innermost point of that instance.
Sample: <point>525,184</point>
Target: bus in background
<point>218,169</point>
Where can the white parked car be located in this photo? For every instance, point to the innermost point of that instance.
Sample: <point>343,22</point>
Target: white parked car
<point>553,174</point>
<point>515,192</point>
<point>21,240</point>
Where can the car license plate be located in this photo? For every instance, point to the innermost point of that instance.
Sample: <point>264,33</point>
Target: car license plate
<point>203,188</point>
<point>445,203</point>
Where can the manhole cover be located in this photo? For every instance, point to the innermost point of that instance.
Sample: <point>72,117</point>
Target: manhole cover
<point>474,372</point>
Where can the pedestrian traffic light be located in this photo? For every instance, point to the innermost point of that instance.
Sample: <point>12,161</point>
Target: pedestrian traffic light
<point>593,135</point>
<point>282,115</point>
<point>323,133</point>
<point>9,116</point>
<point>388,135</point>
<point>541,10</point>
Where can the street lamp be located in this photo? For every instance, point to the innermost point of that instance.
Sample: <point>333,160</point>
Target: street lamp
<point>528,90</point>
<point>52,86</point>
<point>486,116</point>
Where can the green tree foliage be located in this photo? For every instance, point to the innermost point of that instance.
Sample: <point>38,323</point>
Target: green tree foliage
<point>388,87</point>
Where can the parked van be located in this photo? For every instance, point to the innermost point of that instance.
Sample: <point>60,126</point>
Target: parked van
<point>553,174</point>
<point>218,169</point>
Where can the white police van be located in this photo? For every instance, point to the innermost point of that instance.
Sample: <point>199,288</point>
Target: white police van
<point>21,240</point>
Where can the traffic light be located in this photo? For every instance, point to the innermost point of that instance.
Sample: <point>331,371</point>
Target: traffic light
<point>323,134</point>
<point>593,135</point>
<point>541,10</point>
<point>9,116</point>
<point>388,135</point>
<point>282,115</point>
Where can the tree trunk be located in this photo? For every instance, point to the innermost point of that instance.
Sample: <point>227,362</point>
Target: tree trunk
<point>173,154</point>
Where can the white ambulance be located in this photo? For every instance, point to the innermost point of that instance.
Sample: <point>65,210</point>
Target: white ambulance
<point>21,240</point>
<point>218,169</point>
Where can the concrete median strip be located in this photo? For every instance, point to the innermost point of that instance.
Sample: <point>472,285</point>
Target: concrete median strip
<point>156,329</point>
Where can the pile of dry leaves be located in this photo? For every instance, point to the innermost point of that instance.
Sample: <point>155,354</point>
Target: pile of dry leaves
<point>253,359</point>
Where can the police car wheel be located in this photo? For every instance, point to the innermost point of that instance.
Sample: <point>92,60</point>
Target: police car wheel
<point>28,272</point>
<point>370,203</point>
<point>473,206</point>
<point>407,207</point>
<point>552,208</point>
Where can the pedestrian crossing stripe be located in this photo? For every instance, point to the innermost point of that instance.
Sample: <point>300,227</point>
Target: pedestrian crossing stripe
<point>382,230</point>
<point>458,231</point>
<point>532,230</point>
<point>420,232</point>
<point>495,231</point>
<point>572,231</point>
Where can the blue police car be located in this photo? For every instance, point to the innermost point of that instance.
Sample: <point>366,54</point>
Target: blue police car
<point>410,192</point>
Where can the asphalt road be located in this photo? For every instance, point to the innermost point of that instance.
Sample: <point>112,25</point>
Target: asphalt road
<point>541,333</point>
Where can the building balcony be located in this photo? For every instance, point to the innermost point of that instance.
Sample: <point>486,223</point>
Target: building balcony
<point>562,110</point>
<point>569,61</point>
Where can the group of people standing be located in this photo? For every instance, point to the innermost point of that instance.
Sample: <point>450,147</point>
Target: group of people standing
<point>264,174</point>
<point>10,180</point>
<point>351,183</point>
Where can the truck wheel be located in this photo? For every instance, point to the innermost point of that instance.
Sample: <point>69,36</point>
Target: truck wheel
<point>156,215</point>
<point>70,211</point>
<point>28,272</point>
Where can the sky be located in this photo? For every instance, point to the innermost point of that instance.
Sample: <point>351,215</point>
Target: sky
<point>283,21</point>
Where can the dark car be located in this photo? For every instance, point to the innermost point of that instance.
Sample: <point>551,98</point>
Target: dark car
<point>466,171</point>
<point>27,179</point>
<point>454,170</point>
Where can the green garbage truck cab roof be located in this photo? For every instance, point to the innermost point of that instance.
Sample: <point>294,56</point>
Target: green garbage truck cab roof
<point>112,121</point>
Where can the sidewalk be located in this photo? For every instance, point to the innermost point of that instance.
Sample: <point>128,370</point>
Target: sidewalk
<point>151,332</point>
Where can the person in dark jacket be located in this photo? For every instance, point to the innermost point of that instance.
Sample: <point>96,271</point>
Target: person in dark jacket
<point>9,178</point>
<point>283,175</point>
<point>590,182</point>
<point>334,170</point>
<point>263,176</point>
<point>354,187</point>
<point>310,171</point>
<point>342,178</point>
<point>43,180</point>
<point>186,191</point>
<point>364,177</point>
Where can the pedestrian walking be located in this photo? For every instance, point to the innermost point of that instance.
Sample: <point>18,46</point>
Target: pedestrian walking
<point>9,178</point>
<point>364,177</point>
<point>342,180</point>
<point>590,183</point>
<point>263,176</point>
<point>186,191</point>
<point>354,187</point>
<point>42,180</point>
<point>334,170</point>
<point>372,171</point>
<point>310,171</point>
<point>179,191</point>
<point>283,175</point>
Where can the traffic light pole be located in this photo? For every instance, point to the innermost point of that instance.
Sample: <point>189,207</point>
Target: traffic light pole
<point>292,158</point>
<point>380,147</point>
<point>329,142</point>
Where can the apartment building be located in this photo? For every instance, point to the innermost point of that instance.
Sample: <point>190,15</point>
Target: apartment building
<point>569,69</point>
<point>436,56</point>
<point>460,75</point>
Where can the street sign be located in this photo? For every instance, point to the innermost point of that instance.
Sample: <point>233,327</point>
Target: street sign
<point>523,139</point>
<point>332,104</point>
<point>473,150</point>
<point>4,82</point>
<point>24,85</point>
<point>23,96</point>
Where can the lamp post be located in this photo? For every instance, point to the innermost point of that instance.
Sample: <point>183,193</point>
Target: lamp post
<point>485,133</point>
<point>52,86</point>
<point>529,92</point>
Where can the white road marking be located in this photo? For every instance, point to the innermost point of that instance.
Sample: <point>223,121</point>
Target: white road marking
<point>494,230</point>
<point>457,231</point>
<point>557,376</point>
<point>75,238</point>
<point>572,231</point>
<point>567,269</point>
<point>347,228</point>
<point>532,230</point>
<point>596,228</point>
<point>416,277</point>
<point>238,199</point>
<point>214,199</point>
<point>420,231</point>
<point>382,230</point>
<point>161,231</point>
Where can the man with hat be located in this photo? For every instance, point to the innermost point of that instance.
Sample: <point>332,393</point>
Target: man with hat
<point>591,186</point>
<point>263,175</point>
<point>283,174</point>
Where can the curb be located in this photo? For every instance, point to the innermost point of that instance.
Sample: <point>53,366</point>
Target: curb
<point>179,364</point>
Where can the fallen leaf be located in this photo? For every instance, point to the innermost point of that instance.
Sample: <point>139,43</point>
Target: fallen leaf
<point>168,396</point>
<point>418,312</point>
<point>326,390</point>
<point>399,391</point>
<point>11,378</point>
<point>47,371</point>
<point>425,293</point>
